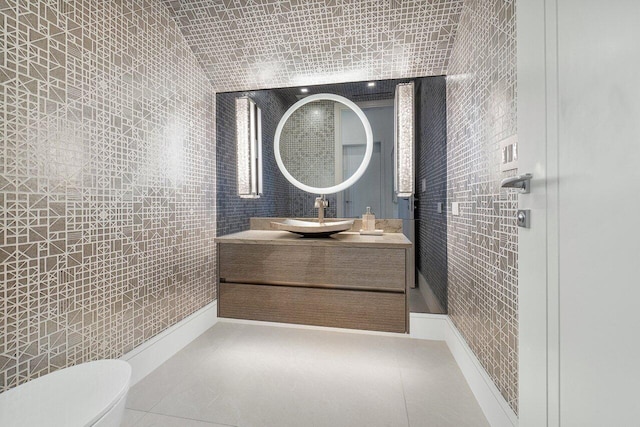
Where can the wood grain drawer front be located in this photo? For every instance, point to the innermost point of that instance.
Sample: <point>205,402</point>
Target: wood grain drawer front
<point>377,311</point>
<point>368,268</point>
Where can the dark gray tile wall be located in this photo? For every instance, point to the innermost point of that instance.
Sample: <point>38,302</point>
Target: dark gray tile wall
<point>431,167</point>
<point>233,212</point>
<point>280,198</point>
<point>301,204</point>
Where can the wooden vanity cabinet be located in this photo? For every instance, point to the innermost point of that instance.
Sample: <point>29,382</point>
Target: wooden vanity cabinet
<point>356,282</point>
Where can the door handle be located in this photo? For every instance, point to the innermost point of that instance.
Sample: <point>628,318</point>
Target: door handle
<point>520,182</point>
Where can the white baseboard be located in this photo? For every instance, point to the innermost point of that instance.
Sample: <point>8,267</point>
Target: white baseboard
<point>493,404</point>
<point>154,352</point>
<point>440,327</point>
<point>427,326</point>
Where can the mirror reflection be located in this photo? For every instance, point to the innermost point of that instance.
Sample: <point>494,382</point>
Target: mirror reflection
<point>329,159</point>
<point>318,139</point>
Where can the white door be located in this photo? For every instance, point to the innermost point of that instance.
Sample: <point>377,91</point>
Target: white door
<point>579,263</point>
<point>536,292</point>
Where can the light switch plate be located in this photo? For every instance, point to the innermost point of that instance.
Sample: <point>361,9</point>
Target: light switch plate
<point>424,185</point>
<point>509,153</point>
<point>439,207</point>
<point>455,208</point>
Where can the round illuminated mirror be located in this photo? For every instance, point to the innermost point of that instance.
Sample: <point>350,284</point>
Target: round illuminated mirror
<point>310,144</point>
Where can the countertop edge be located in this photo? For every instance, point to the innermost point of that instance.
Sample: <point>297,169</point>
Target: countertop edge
<point>344,239</point>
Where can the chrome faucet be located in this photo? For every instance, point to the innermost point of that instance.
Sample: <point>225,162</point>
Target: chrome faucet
<point>321,204</point>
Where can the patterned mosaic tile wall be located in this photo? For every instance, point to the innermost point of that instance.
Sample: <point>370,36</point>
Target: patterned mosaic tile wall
<point>482,241</point>
<point>107,177</point>
<point>246,44</point>
<point>307,144</point>
<point>431,167</point>
<point>234,212</point>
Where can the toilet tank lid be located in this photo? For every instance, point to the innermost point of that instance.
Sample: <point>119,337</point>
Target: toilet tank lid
<point>74,396</point>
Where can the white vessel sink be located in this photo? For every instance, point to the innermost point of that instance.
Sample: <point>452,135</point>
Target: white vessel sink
<point>312,228</point>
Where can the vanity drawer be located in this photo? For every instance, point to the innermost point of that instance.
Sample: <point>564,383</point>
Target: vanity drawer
<point>378,311</point>
<point>322,266</point>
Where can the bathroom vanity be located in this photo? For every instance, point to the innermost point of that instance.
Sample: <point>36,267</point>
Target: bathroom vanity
<point>346,280</point>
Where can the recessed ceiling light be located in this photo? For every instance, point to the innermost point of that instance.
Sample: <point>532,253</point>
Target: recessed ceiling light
<point>304,90</point>
<point>371,84</point>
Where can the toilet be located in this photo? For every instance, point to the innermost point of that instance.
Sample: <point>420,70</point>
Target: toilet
<point>90,394</point>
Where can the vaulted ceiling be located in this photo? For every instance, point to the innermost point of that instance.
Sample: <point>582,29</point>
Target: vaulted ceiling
<point>252,44</point>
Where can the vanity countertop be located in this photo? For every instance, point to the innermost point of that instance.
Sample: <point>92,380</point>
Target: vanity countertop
<point>344,239</point>
<point>386,224</point>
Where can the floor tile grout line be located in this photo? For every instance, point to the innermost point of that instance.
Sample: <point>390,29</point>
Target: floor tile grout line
<point>396,357</point>
<point>140,419</point>
<point>137,410</point>
<point>190,419</point>
<point>404,396</point>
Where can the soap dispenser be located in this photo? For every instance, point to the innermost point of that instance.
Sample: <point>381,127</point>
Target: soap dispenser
<point>368,220</point>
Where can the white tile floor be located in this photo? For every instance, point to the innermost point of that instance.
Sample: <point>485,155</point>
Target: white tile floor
<point>256,375</point>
